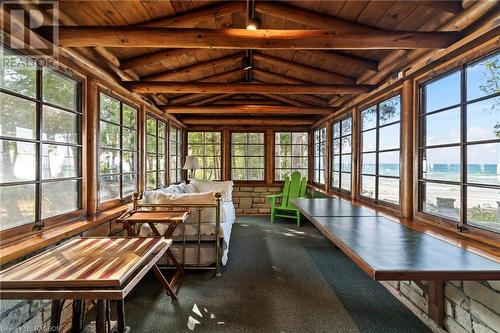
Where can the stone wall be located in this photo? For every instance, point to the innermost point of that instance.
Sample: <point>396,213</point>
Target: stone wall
<point>252,199</point>
<point>34,315</point>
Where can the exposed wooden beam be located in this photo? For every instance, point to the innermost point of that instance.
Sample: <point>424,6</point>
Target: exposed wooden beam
<point>235,88</point>
<point>151,58</point>
<point>319,73</point>
<point>197,15</point>
<point>188,98</point>
<point>344,59</point>
<point>230,76</point>
<point>186,70</point>
<point>248,109</point>
<point>285,99</point>
<point>250,39</point>
<point>249,101</point>
<point>247,121</point>
<point>212,99</point>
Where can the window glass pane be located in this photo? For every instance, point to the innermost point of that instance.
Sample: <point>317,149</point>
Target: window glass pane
<point>336,146</point>
<point>109,161</point>
<point>161,162</point>
<point>151,162</point>
<point>18,117</point>
<point>483,163</point>
<point>129,161</point>
<point>18,205</point>
<point>162,129</point>
<point>129,139</point>
<point>300,138</point>
<point>483,78</point>
<point>59,198</point>
<point>59,90</point>
<point>441,200</point>
<point>433,125</point>
<point>161,178</point>
<point>388,164</point>
<point>110,109</point>
<point>336,163</point>
<point>388,190</point>
<point>151,180</point>
<point>18,161</point>
<point>335,179</point>
<point>441,164</point>
<point>369,140</point>
<point>389,137</point>
<point>109,135</point>
<point>336,130</point>
<point>109,188</point>
<point>255,137</point>
<point>369,118</point>
<point>129,116</point>
<point>151,126</point>
<point>389,111</point>
<point>483,207</point>
<point>368,186</point>
<point>346,144</point>
<point>18,74</point>
<point>368,165</point>
<point>483,120</point>
<point>346,163</point>
<point>129,184</point>
<point>345,180</point>
<point>346,126</point>
<point>59,125</point>
<point>443,92</point>
<point>59,161</point>
<point>161,146</point>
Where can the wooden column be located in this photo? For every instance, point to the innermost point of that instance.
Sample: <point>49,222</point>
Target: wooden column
<point>269,153</point>
<point>226,155</point>
<point>328,147</point>
<point>406,165</point>
<point>355,167</point>
<point>436,301</point>
<point>142,148</point>
<point>92,114</point>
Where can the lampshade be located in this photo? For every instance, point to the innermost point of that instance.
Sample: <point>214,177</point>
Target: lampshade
<point>191,163</point>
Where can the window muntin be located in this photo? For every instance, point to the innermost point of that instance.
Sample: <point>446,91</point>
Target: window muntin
<point>459,145</point>
<point>247,156</point>
<point>380,151</point>
<point>118,149</point>
<point>175,154</point>
<point>290,154</point>
<point>341,154</point>
<point>156,150</point>
<point>206,146</point>
<point>40,143</point>
<point>319,155</point>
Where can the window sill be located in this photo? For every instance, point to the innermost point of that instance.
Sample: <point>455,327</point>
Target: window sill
<point>24,246</point>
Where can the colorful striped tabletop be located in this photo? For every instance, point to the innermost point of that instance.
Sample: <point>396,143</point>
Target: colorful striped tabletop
<point>81,263</point>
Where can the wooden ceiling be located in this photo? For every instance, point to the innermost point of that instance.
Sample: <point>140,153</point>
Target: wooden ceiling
<point>295,64</point>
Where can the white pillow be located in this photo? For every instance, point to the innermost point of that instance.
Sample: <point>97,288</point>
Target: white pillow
<point>188,188</point>
<point>174,189</point>
<point>226,188</point>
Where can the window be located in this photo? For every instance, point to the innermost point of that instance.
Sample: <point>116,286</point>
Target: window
<point>156,149</point>
<point>459,171</point>
<point>247,156</point>
<point>206,146</point>
<point>175,154</point>
<point>380,155</point>
<point>40,143</point>
<point>319,155</point>
<point>290,154</point>
<point>118,149</point>
<point>341,154</point>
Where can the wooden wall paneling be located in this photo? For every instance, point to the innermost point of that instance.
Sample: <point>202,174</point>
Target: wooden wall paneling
<point>92,112</point>
<point>355,154</point>
<point>406,167</point>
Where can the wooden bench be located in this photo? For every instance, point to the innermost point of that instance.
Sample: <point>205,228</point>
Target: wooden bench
<point>390,251</point>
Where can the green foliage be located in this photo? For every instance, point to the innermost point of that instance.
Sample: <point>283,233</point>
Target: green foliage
<point>481,214</point>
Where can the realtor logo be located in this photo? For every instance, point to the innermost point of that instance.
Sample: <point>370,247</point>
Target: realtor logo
<point>23,20</point>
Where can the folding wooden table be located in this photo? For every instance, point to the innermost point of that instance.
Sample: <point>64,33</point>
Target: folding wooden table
<point>97,268</point>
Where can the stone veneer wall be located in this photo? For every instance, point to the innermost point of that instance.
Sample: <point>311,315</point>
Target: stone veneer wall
<point>470,306</point>
<point>34,315</point>
<point>252,199</point>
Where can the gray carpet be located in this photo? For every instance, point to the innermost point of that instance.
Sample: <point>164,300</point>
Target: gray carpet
<point>279,278</point>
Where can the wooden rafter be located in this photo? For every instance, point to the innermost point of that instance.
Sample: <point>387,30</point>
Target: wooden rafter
<point>347,60</point>
<point>265,88</point>
<point>212,99</point>
<point>248,109</point>
<point>286,100</point>
<point>247,121</point>
<point>250,39</point>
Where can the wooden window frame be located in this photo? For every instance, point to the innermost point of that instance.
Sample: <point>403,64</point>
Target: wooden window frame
<point>104,205</point>
<point>273,168</point>
<point>157,153</point>
<point>230,157</point>
<point>204,156</point>
<point>176,153</point>
<point>340,154</point>
<point>375,103</point>
<point>80,83</point>
<point>462,223</point>
<point>313,166</point>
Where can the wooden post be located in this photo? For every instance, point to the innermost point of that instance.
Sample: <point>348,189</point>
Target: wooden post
<point>142,148</point>
<point>406,167</point>
<point>355,174</point>
<point>436,301</point>
<point>91,149</point>
<point>328,147</point>
<point>269,159</point>
<point>226,155</point>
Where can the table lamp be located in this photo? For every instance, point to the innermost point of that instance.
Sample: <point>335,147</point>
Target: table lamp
<point>191,164</point>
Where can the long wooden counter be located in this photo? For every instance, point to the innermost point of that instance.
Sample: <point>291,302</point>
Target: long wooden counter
<point>388,250</point>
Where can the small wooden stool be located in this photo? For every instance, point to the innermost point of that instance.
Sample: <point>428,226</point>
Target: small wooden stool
<point>173,218</point>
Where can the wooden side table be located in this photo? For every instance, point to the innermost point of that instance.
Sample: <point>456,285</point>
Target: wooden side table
<point>132,221</point>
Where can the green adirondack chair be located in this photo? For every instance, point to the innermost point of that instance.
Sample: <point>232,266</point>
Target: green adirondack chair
<point>295,187</point>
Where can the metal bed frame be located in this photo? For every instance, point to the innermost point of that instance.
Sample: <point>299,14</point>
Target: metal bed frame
<point>137,205</point>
